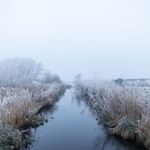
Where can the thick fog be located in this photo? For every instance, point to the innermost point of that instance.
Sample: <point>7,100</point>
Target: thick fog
<point>108,38</point>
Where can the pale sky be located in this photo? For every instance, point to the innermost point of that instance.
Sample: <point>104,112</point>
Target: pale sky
<point>108,37</point>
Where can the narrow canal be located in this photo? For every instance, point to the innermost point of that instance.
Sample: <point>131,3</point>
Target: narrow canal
<point>72,126</point>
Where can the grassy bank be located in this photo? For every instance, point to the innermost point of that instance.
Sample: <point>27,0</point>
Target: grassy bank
<point>124,110</point>
<point>19,110</point>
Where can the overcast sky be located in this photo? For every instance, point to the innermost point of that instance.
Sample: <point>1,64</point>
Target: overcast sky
<point>108,37</point>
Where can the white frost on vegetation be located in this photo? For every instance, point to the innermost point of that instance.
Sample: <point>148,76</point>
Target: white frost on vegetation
<point>24,71</point>
<point>124,109</point>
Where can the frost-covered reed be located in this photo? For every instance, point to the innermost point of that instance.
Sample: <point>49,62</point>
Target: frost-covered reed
<point>124,110</point>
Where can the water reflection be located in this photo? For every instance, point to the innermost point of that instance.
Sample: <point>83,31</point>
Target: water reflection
<point>112,143</point>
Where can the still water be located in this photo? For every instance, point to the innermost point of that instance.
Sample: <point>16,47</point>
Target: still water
<point>72,126</point>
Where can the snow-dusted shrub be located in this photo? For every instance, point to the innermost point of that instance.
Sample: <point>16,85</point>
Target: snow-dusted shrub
<point>47,77</point>
<point>54,90</point>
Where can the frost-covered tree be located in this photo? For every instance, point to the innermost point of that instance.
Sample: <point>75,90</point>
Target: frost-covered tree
<point>19,71</point>
<point>46,77</point>
<point>23,71</point>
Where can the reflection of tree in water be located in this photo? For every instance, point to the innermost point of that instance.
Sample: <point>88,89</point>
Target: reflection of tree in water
<point>82,102</point>
<point>76,97</point>
<point>108,142</point>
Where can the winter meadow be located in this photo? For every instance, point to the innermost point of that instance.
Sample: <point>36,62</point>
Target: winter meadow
<point>74,75</point>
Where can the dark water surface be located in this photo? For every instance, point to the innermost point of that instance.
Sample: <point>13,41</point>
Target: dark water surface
<point>72,126</point>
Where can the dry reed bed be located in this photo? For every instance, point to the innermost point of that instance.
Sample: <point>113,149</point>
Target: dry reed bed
<point>19,107</point>
<point>125,111</point>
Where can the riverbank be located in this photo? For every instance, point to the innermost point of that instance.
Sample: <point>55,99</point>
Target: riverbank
<point>25,88</point>
<point>19,110</point>
<point>124,110</point>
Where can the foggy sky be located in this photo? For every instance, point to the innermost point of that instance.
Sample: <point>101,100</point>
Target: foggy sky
<point>110,38</point>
